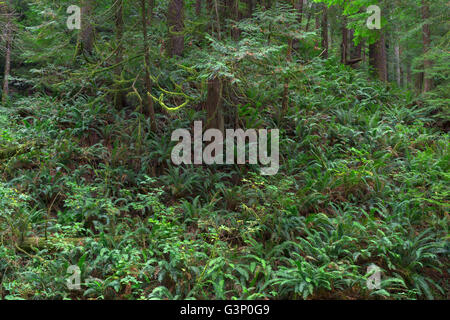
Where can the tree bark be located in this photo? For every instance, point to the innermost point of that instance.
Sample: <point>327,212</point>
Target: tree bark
<point>119,96</point>
<point>299,6</point>
<point>397,64</point>
<point>308,20</point>
<point>87,29</point>
<point>426,35</point>
<point>8,32</point>
<point>235,32</point>
<point>318,19</point>
<point>418,82</point>
<point>219,27</point>
<point>250,6</point>
<point>324,30</point>
<point>300,11</point>
<point>7,67</point>
<point>344,44</point>
<point>285,100</point>
<point>408,74</point>
<point>149,109</point>
<point>378,59</point>
<point>175,20</point>
<point>215,117</point>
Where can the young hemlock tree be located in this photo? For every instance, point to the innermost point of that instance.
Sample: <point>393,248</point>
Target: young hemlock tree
<point>378,57</point>
<point>87,31</point>
<point>324,32</point>
<point>146,16</point>
<point>426,35</point>
<point>175,23</point>
<point>119,95</point>
<point>6,44</point>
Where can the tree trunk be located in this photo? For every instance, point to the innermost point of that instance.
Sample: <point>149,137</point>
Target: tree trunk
<point>397,64</point>
<point>149,109</point>
<point>7,67</point>
<point>215,117</point>
<point>418,82</point>
<point>219,27</point>
<point>426,35</point>
<point>300,11</point>
<point>235,32</point>
<point>377,58</point>
<point>87,29</point>
<point>285,100</point>
<point>250,6</point>
<point>344,44</point>
<point>119,96</point>
<point>324,30</point>
<point>299,7</point>
<point>175,21</point>
<point>408,74</point>
<point>8,31</point>
<point>318,19</point>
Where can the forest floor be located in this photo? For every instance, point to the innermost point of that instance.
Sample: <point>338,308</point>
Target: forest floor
<point>363,180</point>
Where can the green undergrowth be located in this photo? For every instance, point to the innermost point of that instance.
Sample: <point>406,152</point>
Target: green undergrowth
<point>363,180</point>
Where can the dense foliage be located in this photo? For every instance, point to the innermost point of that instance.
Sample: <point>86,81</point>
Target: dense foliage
<point>86,176</point>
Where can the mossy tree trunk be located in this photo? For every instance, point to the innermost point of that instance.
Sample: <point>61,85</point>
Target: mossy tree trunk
<point>215,116</point>
<point>149,108</point>
<point>87,28</point>
<point>426,36</point>
<point>175,20</point>
<point>119,96</point>
<point>378,59</point>
<point>5,9</point>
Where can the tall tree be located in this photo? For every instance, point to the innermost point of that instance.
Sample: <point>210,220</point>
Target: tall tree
<point>87,28</point>
<point>378,57</point>
<point>426,38</point>
<point>344,43</point>
<point>285,98</point>
<point>214,112</point>
<point>398,71</point>
<point>149,110</point>
<point>250,7</point>
<point>119,97</point>
<point>175,21</point>
<point>7,34</point>
<point>235,32</point>
<point>300,5</point>
<point>324,32</point>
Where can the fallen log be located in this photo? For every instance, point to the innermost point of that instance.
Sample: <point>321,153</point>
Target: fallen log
<point>11,151</point>
<point>39,243</point>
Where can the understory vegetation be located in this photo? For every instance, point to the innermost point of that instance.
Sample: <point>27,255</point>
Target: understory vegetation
<point>363,178</point>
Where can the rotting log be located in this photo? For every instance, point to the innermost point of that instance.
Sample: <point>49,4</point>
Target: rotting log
<point>30,243</point>
<point>11,151</point>
<point>40,243</point>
